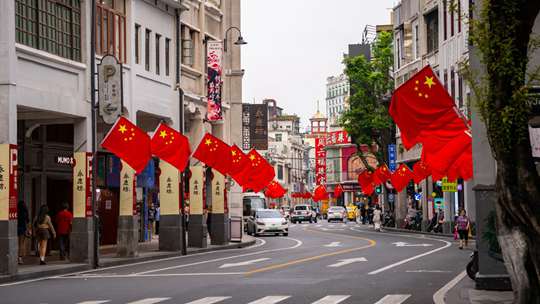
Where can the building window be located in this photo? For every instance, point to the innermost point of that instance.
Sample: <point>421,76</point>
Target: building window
<point>147,49</point>
<point>460,89</point>
<point>280,172</point>
<point>398,54</point>
<point>452,19</point>
<point>459,16</point>
<point>167,55</point>
<point>453,84</point>
<point>416,43</point>
<point>111,28</point>
<point>53,26</point>
<point>432,31</point>
<point>278,137</point>
<point>446,80</point>
<point>158,41</point>
<point>188,38</point>
<point>137,44</point>
<point>445,18</point>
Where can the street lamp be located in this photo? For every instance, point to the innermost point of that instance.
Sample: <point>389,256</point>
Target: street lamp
<point>239,41</point>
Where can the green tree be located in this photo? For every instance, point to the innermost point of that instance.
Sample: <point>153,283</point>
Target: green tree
<point>502,36</point>
<point>367,119</point>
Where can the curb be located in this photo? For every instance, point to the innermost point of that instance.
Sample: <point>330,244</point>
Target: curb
<point>127,261</point>
<point>418,232</point>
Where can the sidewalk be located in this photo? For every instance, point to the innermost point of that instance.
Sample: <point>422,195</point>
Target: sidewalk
<point>147,251</point>
<point>465,293</point>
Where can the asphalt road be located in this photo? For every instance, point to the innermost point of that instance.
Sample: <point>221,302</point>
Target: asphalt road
<point>318,263</point>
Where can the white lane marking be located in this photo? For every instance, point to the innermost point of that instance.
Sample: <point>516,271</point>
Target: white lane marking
<point>447,244</point>
<point>262,243</point>
<point>246,263</point>
<point>149,301</point>
<point>393,299</point>
<point>270,300</point>
<point>94,302</point>
<point>332,300</point>
<point>438,297</point>
<point>429,271</point>
<point>298,244</point>
<point>209,300</point>
<point>347,262</point>
<point>404,244</point>
<point>133,276</point>
<point>333,244</point>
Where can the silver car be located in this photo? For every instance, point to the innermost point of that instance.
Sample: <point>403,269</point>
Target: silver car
<point>336,214</point>
<point>267,221</point>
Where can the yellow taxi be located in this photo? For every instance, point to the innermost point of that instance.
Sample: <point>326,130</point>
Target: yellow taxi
<point>351,212</point>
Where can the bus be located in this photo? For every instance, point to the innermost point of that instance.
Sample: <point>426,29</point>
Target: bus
<point>252,201</point>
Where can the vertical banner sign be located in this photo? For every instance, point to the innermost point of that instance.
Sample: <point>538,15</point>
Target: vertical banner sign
<point>214,55</point>
<point>169,188</point>
<point>218,191</point>
<point>254,126</point>
<point>196,188</point>
<point>82,187</point>
<point>392,157</point>
<point>110,89</point>
<point>320,161</point>
<point>128,199</point>
<point>8,182</point>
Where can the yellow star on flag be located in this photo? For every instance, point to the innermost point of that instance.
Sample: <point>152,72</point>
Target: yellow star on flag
<point>252,157</point>
<point>233,153</point>
<point>122,129</point>
<point>163,134</point>
<point>208,142</point>
<point>429,81</point>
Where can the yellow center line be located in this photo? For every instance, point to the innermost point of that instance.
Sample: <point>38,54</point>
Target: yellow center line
<point>317,257</point>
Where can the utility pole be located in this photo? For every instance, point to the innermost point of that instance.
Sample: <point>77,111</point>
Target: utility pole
<point>94,126</point>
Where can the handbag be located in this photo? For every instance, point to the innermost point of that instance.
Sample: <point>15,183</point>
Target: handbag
<point>455,234</point>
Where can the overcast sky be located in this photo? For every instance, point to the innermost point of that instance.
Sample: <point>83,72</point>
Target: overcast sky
<point>293,45</point>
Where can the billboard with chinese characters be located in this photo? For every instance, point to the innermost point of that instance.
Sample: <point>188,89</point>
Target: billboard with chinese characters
<point>110,91</point>
<point>8,182</point>
<point>254,126</point>
<point>82,184</point>
<point>320,161</point>
<point>337,138</point>
<point>214,111</point>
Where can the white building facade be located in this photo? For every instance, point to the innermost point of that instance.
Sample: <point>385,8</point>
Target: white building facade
<point>337,96</point>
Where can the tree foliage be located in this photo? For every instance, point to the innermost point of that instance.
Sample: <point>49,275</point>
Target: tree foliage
<point>367,120</point>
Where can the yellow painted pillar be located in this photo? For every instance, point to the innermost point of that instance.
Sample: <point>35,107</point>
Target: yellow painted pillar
<point>197,230</point>
<point>128,222</point>
<point>170,220</point>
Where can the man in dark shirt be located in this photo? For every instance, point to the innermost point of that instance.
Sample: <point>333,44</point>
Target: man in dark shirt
<point>64,220</point>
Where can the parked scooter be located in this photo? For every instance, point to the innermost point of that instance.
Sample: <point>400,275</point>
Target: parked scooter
<point>389,220</point>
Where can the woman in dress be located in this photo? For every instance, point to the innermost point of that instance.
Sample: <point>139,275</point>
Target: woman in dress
<point>43,228</point>
<point>462,226</point>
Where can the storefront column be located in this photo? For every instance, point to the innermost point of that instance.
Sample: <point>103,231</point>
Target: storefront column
<point>170,223</point>
<point>128,222</point>
<point>425,206</point>
<point>8,209</point>
<point>8,134</point>
<point>219,218</point>
<point>197,230</point>
<point>81,241</point>
<point>448,199</point>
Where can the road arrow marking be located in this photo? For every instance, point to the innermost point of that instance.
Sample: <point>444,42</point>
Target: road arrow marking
<point>347,262</point>
<point>333,244</point>
<point>246,263</point>
<point>428,271</point>
<point>403,244</point>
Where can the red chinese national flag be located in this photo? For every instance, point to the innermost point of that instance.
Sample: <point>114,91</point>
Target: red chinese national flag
<point>382,174</point>
<point>365,178</point>
<point>462,167</point>
<point>214,153</point>
<point>338,190</point>
<point>440,152</point>
<point>368,189</point>
<point>420,105</point>
<point>401,177</point>
<point>258,173</point>
<point>274,190</point>
<point>129,143</point>
<point>171,146</point>
<point>420,172</point>
<point>239,163</point>
<point>320,193</point>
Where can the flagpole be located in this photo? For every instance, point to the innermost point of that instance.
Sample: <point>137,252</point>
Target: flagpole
<point>181,129</point>
<point>94,126</point>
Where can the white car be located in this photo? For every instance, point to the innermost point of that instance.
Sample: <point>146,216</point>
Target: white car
<point>336,214</point>
<point>267,221</point>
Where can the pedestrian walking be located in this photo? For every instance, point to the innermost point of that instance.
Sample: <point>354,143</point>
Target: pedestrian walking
<point>64,221</point>
<point>364,214</point>
<point>462,225</point>
<point>43,228</point>
<point>377,218</point>
<point>23,230</point>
